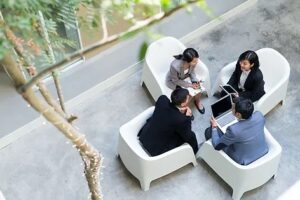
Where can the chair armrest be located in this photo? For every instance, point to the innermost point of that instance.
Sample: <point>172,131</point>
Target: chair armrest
<point>169,161</point>
<point>224,76</point>
<point>202,73</point>
<point>130,130</point>
<point>272,97</point>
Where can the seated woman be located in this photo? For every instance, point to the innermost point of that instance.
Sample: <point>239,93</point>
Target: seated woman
<point>247,78</point>
<point>182,74</point>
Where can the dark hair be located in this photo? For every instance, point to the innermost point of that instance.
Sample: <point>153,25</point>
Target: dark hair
<point>251,56</point>
<point>188,55</point>
<point>244,106</point>
<point>179,96</point>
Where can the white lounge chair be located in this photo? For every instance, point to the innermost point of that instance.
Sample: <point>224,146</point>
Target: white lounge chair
<point>1,196</point>
<point>276,72</point>
<point>157,63</point>
<point>139,163</point>
<point>243,178</point>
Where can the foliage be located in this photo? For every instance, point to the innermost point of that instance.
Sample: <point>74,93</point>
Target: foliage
<point>24,26</point>
<point>21,16</point>
<point>143,50</point>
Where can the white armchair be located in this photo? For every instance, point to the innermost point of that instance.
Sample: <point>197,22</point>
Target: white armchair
<point>1,196</point>
<point>276,72</point>
<point>243,178</point>
<point>139,163</point>
<point>157,63</point>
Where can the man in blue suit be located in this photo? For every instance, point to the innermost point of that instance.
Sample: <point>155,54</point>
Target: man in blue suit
<point>243,141</point>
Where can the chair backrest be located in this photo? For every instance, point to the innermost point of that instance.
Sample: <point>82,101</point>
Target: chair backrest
<point>133,142</point>
<point>130,130</point>
<point>160,55</point>
<point>274,67</point>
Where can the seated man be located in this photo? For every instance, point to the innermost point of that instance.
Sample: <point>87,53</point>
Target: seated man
<point>170,125</point>
<point>243,141</point>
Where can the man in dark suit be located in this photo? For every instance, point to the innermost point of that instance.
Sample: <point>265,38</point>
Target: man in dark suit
<point>170,125</point>
<point>243,141</point>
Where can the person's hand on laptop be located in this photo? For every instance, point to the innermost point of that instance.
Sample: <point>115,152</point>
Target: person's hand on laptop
<point>213,122</point>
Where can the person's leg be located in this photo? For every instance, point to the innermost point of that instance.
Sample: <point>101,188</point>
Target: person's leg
<point>198,100</point>
<point>198,104</point>
<point>194,143</point>
<point>208,133</point>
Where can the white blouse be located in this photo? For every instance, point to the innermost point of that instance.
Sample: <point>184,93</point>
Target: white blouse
<point>243,79</point>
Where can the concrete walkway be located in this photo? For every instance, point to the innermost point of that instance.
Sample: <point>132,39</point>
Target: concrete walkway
<point>41,165</point>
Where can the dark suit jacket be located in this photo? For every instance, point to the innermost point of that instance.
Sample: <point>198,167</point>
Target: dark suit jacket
<point>167,129</point>
<point>254,84</point>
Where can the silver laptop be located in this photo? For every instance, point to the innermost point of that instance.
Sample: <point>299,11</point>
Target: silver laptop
<point>222,112</point>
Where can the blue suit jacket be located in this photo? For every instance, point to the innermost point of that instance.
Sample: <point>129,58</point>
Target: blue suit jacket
<point>243,141</point>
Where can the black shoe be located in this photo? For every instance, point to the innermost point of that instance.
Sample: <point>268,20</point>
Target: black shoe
<point>192,117</point>
<point>202,111</point>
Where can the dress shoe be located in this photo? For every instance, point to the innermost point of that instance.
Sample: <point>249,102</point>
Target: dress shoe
<point>202,111</point>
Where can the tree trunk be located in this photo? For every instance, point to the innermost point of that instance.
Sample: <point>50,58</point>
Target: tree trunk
<point>59,90</point>
<point>42,30</point>
<point>91,157</point>
<point>50,99</point>
<point>31,70</point>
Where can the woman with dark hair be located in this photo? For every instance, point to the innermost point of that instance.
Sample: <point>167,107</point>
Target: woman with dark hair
<point>182,74</point>
<point>247,78</point>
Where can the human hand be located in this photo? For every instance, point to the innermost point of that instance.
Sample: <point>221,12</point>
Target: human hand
<point>188,112</point>
<point>196,85</point>
<point>213,122</point>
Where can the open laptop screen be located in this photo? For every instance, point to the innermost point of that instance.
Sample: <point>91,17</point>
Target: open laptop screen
<point>221,106</point>
<point>229,89</point>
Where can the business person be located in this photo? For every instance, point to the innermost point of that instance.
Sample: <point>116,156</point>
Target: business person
<point>243,141</point>
<point>247,78</point>
<point>182,74</point>
<point>170,125</point>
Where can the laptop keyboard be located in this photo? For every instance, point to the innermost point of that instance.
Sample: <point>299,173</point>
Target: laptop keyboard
<point>225,120</point>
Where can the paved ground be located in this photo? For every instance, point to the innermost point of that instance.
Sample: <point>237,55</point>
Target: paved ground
<point>42,166</point>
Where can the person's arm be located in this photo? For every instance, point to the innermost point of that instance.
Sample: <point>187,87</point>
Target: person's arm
<point>186,133</point>
<point>175,78</point>
<point>255,91</point>
<point>220,142</point>
<point>193,75</point>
